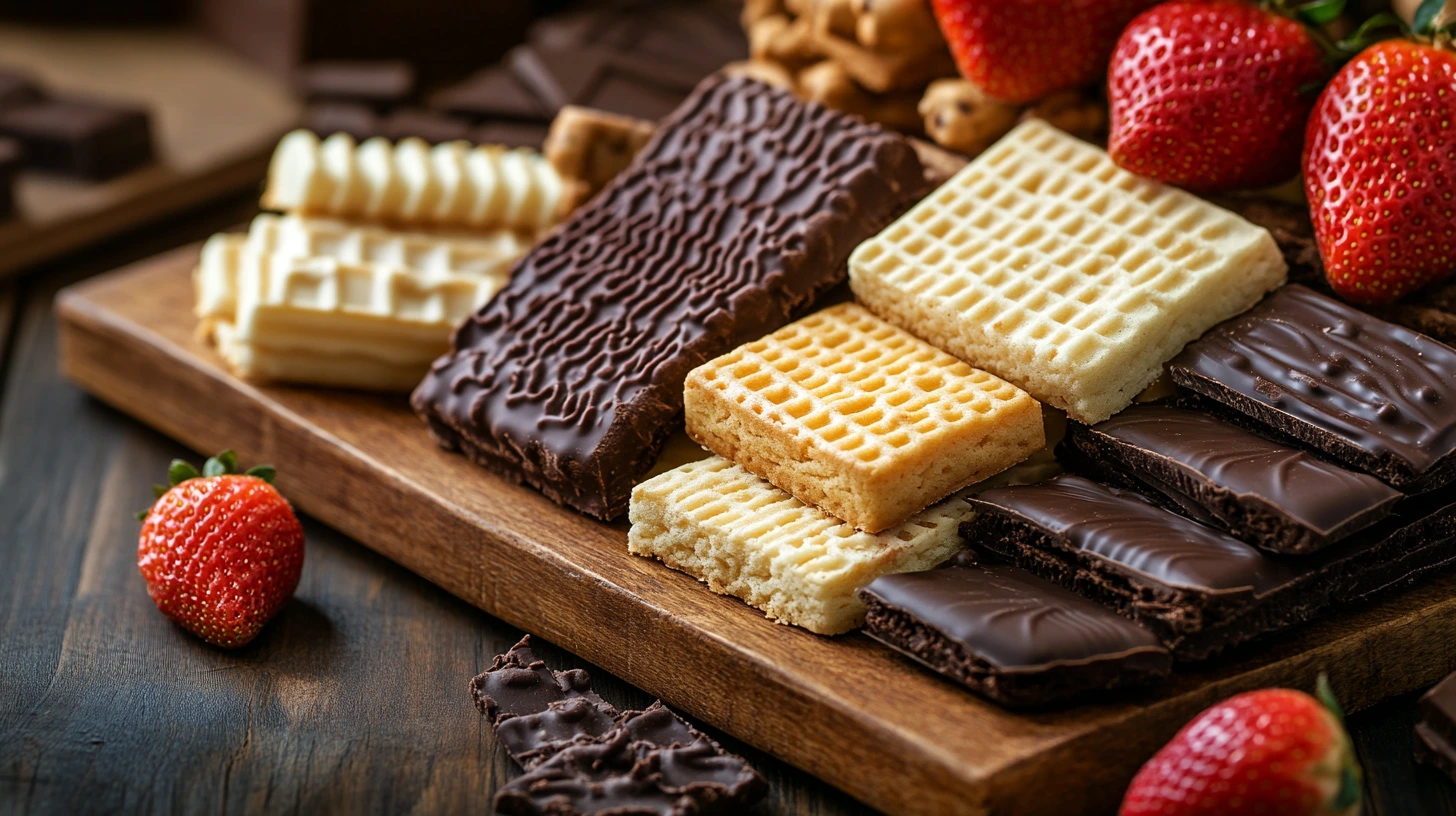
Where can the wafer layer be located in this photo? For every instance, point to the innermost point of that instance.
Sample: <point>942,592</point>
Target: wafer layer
<point>1046,264</point>
<point>744,537</point>
<point>322,321</point>
<point>410,183</point>
<point>858,417</point>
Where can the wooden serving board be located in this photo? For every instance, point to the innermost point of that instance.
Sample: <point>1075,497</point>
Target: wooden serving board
<point>215,120</point>
<point>844,709</point>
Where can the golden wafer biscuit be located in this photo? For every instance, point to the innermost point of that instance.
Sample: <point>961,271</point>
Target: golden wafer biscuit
<point>858,417</point>
<point>797,564</point>
<point>589,148</point>
<point>884,71</point>
<point>326,322</point>
<point>410,183</point>
<point>1046,264</point>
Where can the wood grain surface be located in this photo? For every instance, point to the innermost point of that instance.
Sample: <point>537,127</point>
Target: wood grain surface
<point>215,120</point>
<point>843,709</point>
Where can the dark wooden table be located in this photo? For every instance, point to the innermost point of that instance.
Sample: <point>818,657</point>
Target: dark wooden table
<point>353,700</point>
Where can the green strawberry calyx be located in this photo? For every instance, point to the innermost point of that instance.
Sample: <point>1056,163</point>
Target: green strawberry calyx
<point>1347,795</point>
<point>223,464</point>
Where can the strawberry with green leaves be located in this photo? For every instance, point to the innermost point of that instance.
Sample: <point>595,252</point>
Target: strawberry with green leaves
<point>1271,751</point>
<point>221,551</point>
<point>1020,51</point>
<point>1380,165</point>
<point>1213,95</point>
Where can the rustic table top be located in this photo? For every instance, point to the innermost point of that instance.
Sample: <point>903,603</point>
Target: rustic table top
<point>354,699</point>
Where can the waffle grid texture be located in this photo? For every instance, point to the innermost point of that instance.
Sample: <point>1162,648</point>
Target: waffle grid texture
<point>410,183</point>
<point>859,417</point>
<point>743,537</point>
<point>1046,264</point>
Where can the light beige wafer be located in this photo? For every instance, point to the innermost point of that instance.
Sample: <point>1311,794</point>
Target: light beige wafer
<point>325,322</point>
<point>744,537</point>
<point>1046,264</point>
<point>858,417</point>
<point>412,184</point>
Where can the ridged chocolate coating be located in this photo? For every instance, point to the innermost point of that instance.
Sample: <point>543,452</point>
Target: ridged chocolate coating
<point>733,219</point>
<point>1373,395</point>
<point>1268,494</point>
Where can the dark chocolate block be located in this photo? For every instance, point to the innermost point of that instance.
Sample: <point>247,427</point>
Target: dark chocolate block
<point>381,84</point>
<point>1373,395</point>
<point>1200,591</point>
<point>422,124</point>
<point>1436,731</point>
<point>328,118</point>
<point>10,160</point>
<point>738,214</point>
<point>94,140</point>
<point>492,93</point>
<point>17,90</point>
<point>1270,495</point>
<point>1010,635</point>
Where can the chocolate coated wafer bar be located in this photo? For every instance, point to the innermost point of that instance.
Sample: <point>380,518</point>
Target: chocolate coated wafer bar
<point>1370,394</point>
<point>1199,590</point>
<point>1010,635</point>
<point>1268,494</point>
<point>736,216</point>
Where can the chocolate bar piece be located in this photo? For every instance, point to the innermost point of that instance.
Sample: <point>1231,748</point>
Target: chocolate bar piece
<point>17,90</point>
<point>1436,731</point>
<point>1010,635</point>
<point>583,757</point>
<point>1200,591</point>
<point>381,85</point>
<point>1265,493</point>
<point>328,118</point>
<point>10,157</point>
<point>737,215</point>
<point>434,128</point>
<point>492,93</point>
<point>1370,394</point>
<point>90,139</point>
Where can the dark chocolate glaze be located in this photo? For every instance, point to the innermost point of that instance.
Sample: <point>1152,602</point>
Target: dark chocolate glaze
<point>1124,529</point>
<point>517,684</point>
<point>1215,457</point>
<point>1318,365</point>
<point>1013,619</point>
<point>738,214</point>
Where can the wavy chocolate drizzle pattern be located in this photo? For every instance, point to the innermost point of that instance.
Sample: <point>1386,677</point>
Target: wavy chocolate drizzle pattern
<point>734,218</point>
<point>1381,387</point>
<point>1316,493</point>
<point>1121,527</point>
<point>1011,618</point>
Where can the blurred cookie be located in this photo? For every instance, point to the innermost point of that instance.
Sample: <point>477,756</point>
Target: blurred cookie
<point>829,83</point>
<point>1074,112</point>
<point>590,147</point>
<point>895,25</point>
<point>957,115</point>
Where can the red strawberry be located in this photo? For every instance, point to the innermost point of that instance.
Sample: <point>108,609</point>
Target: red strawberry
<point>1271,751</point>
<point>1019,51</point>
<point>1380,171</point>
<point>1213,96</point>
<point>220,552</point>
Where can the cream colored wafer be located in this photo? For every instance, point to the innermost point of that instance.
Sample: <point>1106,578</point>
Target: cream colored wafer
<point>410,183</point>
<point>858,417</point>
<point>797,564</point>
<point>322,321</point>
<point>1045,264</point>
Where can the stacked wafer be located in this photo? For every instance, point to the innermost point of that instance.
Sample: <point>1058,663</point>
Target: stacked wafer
<point>380,250</point>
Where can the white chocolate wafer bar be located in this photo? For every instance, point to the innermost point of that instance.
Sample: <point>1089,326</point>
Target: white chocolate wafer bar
<point>326,322</point>
<point>744,537</point>
<point>859,417</point>
<point>412,184</point>
<point>1046,264</point>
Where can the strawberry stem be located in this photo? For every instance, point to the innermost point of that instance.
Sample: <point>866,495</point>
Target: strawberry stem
<point>1319,12</point>
<point>1326,695</point>
<point>1424,22</point>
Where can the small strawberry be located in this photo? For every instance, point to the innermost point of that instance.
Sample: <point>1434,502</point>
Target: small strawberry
<point>1380,171</point>
<point>1019,51</point>
<point>220,551</point>
<point>1213,95</point>
<point>1271,751</point>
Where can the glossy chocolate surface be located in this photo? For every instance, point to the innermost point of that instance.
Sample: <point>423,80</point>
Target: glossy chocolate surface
<point>738,214</point>
<point>1284,480</point>
<point>1014,620</point>
<point>1374,385</point>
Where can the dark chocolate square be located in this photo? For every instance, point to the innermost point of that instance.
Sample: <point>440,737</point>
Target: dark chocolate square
<point>1265,493</point>
<point>380,84</point>
<point>733,220</point>
<point>1372,395</point>
<point>1011,636</point>
<point>417,123</point>
<point>90,139</point>
<point>18,89</point>
<point>328,118</point>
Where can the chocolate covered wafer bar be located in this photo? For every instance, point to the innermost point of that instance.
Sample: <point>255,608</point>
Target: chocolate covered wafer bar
<point>1266,493</point>
<point>1200,590</point>
<point>1010,635</point>
<point>1370,394</point>
<point>728,223</point>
